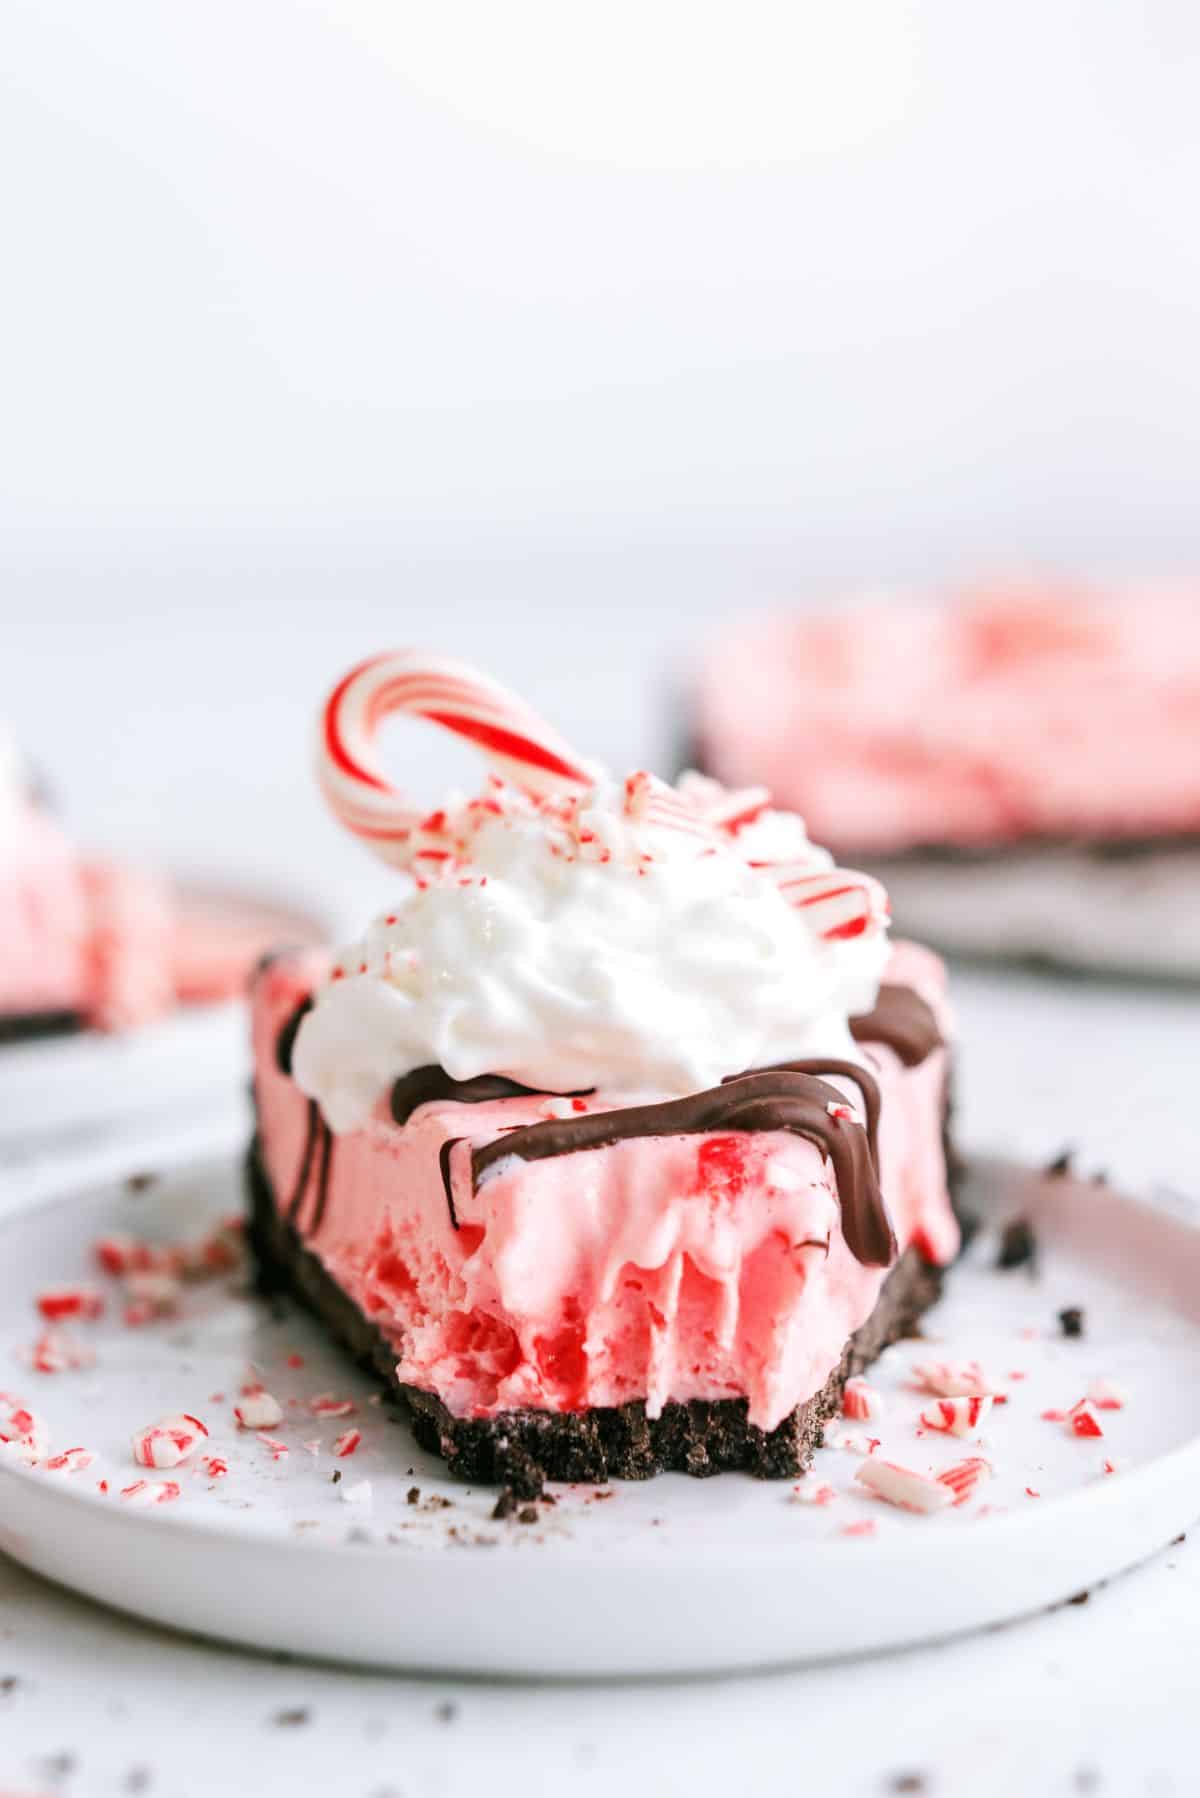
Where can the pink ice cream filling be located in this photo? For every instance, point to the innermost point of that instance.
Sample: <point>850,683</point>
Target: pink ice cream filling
<point>683,1267</point>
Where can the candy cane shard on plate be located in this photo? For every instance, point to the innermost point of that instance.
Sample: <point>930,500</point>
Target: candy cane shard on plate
<point>966,1477</point>
<point>957,1416</point>
<point>904,1487</point>
<point>23,1433</point>
<point>516,742</point>
<point>860,1401</point>
<point>955,1379</point>
<point>170,1442</point>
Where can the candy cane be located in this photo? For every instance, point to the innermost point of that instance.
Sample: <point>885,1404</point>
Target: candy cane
<point>517,743</point>
<point>655,805</point>
<point>840,903</point>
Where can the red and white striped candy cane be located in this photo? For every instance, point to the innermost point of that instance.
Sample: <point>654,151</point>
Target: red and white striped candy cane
<point>840,903</point>
<point>651,802</point>
<point>517,743</point>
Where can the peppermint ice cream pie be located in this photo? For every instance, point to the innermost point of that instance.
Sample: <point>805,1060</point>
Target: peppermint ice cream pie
<point>1021,765</point>
<point>87,943</point>
<point>616,1144</point>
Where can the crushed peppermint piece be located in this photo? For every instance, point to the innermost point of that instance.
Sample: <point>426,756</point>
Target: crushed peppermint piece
<point>867,1527</point>
<point>22,1431</point>
<point>257,1410</point>
<point>860,1401</point>
<point>61,1302</point>
<point>347,1443</point>
<point>852,1442</point>
<point>71,1460</point>
<point>326,1405</point>
<point>144,1493</point>
<point>963,1479</point>
<point>1105,1396</point>
<point>1081,1420</point>
<point>170,1442</point>
<point>216,1467</point>
<point>56,1352</point>
<point>358,1494</point>
<point>808,1494</point>
<point>956,1416</point>
<point>903,1487</point>
<point>954,1379</point>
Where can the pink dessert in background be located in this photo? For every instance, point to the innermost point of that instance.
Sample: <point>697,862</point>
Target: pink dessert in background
<point>687,1267</point>
<point>108,946</point>
<point>984,718</point>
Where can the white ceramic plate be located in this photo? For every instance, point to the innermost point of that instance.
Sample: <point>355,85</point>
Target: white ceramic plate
<point>668,1577</point>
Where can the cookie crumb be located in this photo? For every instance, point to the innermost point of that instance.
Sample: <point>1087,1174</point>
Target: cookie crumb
<point>527,1514</point>
<point>446,1711</point>
<point>908,1782</point>
<point>505,1505</point>
<point>1079,1598</point>
<point>1061,1165</point>
<point>140,1182</point>
<point>413,1495</point>
<point>1018,1245</point>
<point>292,1719</point>
<point>1071,1320</point>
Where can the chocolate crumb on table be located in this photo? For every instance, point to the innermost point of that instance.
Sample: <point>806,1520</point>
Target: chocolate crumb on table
<point>292,1719</point>
<point>1061,1165</point>
<point>1018,1245</point>
<point>1071,1320</point>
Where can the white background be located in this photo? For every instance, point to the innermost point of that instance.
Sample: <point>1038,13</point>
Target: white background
<point>545,335</point>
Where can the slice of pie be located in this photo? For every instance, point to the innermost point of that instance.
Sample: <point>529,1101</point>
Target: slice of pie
<point>617,1143</point>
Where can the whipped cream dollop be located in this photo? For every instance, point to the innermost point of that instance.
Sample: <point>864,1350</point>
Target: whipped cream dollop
<point>640,940</point>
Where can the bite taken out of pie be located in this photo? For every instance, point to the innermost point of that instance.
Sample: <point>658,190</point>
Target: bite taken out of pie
<point>617,1144</point>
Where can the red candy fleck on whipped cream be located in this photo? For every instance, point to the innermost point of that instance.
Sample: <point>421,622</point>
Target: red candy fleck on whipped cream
<point>860,1401</point>
<point>956,1416</point>
<point>170,1442</point>
<point>903,1487</point>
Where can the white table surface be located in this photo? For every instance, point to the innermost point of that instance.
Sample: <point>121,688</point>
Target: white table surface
<point>1099,1697</point>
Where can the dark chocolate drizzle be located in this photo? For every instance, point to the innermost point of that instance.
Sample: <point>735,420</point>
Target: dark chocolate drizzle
<point>432,1083</point>
<point>794,1096</point>
<point>318,1137</point>
<point>901,1021</point>
<point>286,1042</point>
<point>782,1099</point>
<point>444,1153</point>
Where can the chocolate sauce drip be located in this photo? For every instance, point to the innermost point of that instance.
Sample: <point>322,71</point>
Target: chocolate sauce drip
<point>312,1130</point>
<point>901,1021</point>
<point>323,1170</point>
<point>792,1096</point>
<point>286,1041</point>
<point>866,1083</point>
<point>444,1153</point>
<point>424,1085</point>
<point>779,1100</point>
